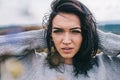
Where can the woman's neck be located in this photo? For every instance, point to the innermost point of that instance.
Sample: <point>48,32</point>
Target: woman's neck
<point>68,61</point>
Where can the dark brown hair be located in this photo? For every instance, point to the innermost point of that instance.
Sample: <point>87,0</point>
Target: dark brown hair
<point>84,59</point>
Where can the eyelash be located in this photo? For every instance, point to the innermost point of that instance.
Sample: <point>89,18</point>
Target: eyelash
<point>76,31</point>
<point>57,31</point>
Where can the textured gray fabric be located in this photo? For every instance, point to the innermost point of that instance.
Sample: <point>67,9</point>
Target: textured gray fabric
<point>109,43</point>
<point>35,69</point>
<point>17,43</point>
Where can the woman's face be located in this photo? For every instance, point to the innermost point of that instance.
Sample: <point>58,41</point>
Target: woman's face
<point>66,35</point>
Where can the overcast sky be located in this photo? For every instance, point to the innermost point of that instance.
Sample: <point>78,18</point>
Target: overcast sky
<point>32,11</point>
<point>104,10</point>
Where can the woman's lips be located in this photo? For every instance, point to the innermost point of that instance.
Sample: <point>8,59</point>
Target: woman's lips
<point>67,50</point>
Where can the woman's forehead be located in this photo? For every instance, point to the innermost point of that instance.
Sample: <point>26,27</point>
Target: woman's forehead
<point>67,16</point>
<point>66,19</point>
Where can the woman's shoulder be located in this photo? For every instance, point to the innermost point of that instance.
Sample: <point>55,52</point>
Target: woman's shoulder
<point>41,55</point>
<point>104,58</point>
<point>36,58</point>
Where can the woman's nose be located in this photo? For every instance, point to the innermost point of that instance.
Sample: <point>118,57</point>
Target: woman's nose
<point>66,39</point>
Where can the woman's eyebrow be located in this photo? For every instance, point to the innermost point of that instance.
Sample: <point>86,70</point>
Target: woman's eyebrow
<point>56,28</point>
<point>76,28</point>
<point>70,28</point>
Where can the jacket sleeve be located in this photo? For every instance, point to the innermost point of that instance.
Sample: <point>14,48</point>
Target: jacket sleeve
<point>15,44</point>
<point>109,43</point>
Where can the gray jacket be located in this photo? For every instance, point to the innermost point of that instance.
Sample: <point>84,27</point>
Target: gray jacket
<point>32,65</point>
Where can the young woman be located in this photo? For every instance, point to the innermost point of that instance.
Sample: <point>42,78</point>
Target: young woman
<point>72,41</point>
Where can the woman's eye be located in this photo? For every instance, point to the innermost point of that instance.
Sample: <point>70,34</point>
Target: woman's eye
<point>76,31</point>
<point>57,31</point>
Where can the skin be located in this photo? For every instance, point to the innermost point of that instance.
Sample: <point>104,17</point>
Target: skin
<point>66,35</point>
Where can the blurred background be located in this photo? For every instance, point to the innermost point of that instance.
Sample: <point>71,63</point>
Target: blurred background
<point>24,15</point>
